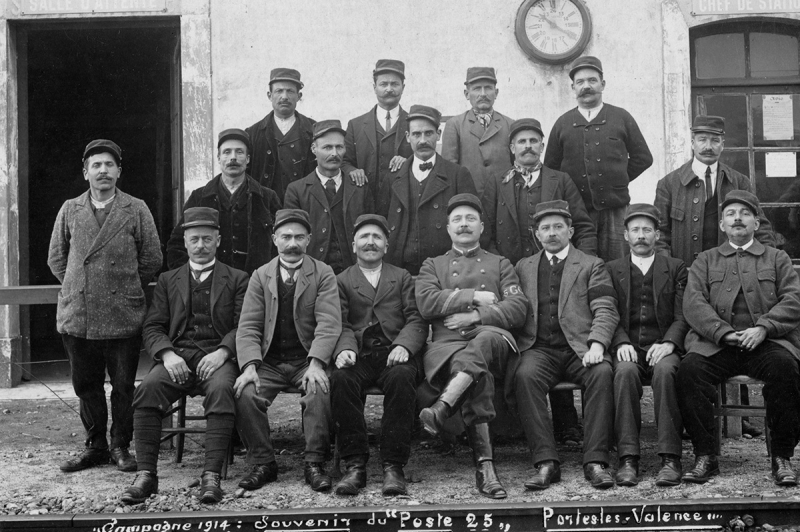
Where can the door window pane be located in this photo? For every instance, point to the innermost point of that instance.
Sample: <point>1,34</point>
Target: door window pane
<point>775,124</point>
<point>786,225</point>
<point>773,55</point>
<point>720,56</point>
<point>733,108</point>
<point>779,188</point>
<point>738,160</point>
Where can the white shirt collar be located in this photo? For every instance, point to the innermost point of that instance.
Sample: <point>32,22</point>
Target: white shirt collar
<point>337,179</point>
<point>562,255</point>
<point>380,115</point>
<point>193,265</point>
<point>372,275</point>
<point>285,124</point>
<point>699,169</point>
<point>590,114</point>
<point>643,264</point>
<point>744,247</point>
<point>283,272</point>
<point>419,174</point>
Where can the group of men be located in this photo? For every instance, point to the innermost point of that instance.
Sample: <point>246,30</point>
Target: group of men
<point>346,258</point>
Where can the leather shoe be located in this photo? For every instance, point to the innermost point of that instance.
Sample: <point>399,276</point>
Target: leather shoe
<point>394,480</point>
<point>316,477</point>
<point>628,471</point>
<point>671,470</point>
<point>548,472</point>
<point>260,475</point>
<point>121,457</point>
<point>705,467</point>
<point>90,457</point>
<point>210,490</point>
<point>597,475</point>
<point>748,429</point>
<point>354,478</point>
<point>782,472</point>
<point>144,485</point>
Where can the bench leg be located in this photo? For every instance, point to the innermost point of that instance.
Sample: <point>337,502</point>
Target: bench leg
<point>733,424</point>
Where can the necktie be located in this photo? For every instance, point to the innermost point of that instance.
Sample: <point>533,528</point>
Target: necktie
<point>554,260</point>
<point>388,121</point>
<point>330,190</point>
<point>198,273</point>
<point>709,192</point>
<point>484,120</point>
<point>290,271</point>
<point>426,166</point>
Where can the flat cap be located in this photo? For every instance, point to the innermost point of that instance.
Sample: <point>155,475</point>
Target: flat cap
<point>326,126</point>
<point>236,134</point>
<point>524,124</point>
<point>372,219</point>
<point>287,216</point>
<point>741,196</point>
<point>103,146</point>
<point>390,65</point>
<point>587,61</point>
<point>709,124</point>
<point>559,207</point>
<point>285,74</point>
<point>428,113</point>
<point>470,200</point>
<point>642,209</point>
<point>200,217</point>
<point>476,73</point>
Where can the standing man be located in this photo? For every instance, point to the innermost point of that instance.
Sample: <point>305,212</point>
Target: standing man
<point>190,331</point>
<point>287,333</point>
<point>282,139</point>
<point>246,209</point>
<point>376,142</point>
<point>566,336</point>
<point>601,148</point>
<point>103,250</point>
<point>743,305</point>
<point>648,344</point>
<point>332,202</point>
<point>477,139</point>
<point>382,331</point>
<point>420,190</point>
<point>473,300</point>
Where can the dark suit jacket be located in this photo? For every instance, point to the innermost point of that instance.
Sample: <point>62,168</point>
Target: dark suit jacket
<point>263,159</point>
<point>167,317</point>
<point>391,304</point>
<point>669,282</point>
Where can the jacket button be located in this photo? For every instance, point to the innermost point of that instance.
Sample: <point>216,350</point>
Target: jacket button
<point>86,261</point>
<point>697,185</point>
<point>695,218</point>
<point>598,159</point>
<point>696,200</point>
<point>438,226</point>
<point>291,145</point>
<point>463,333</point>
<point>500,222</point>
<point>324,210</point>
<point>694,237</point>
<point>455,274</point>
<point>483,286</point>
<point>114,291</point>
<point>483,271</point>
<point>324,229</point>
<point>269,152</point>
<point>435,205</point>
<point>113,262</point>
<point>320,250</point>
<point>399,209</point>
<point>81,290</point>
<point>486,163</point>
<point>596,143</point>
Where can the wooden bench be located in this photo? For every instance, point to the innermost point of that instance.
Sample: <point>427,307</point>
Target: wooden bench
<point>729,410</point>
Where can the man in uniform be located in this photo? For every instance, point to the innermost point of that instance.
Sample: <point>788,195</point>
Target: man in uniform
<point>566,336</point>
<point>190,331</point>
<point>104,249</point>
<point>601,148</point>
<point>282,139</point>
<point>382,331</point>
<point>648,344</point>
<point>246,209</point>
<point>420,190</point>
<point>332,202</point>
<point>473,298</point>
<point>477,138</point>
<point>289,326</point>
<point>742,303</point>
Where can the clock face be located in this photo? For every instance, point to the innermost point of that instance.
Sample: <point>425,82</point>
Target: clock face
<point>553,31</point>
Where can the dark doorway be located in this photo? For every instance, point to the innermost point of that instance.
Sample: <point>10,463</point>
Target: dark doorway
<point>87,80</point>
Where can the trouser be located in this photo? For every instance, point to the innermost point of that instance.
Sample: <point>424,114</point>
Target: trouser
<point>610,224</point>
<point>770,362</point>
<point>89,360</point>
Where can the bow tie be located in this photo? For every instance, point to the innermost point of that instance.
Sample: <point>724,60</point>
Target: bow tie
<point>426,166</point>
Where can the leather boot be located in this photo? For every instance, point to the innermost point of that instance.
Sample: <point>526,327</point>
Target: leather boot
<point>144,484</point>
<point>394,480</point>
<point>782,471</point>
<point>628,471</point>
<point>485,475</point>
<point>454,394</point>
<point>355,476</point>
<point>210,489</point>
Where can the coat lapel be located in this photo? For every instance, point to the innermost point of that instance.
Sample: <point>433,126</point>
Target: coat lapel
<point>623,273</point>
<point>493,128</point>
<point>306,270</point>
<point>385,286</point>
<point>362,286</point>
<point>314,185</point>
<point>437,184</point>
<point>660,277</point>
<point>370,125</point>
<point>475,127</point>
<point>219,278</point>
<point>116,220</point>
<point>507,196</point>
<point>401,126</point>
<point>182,282</point>
<point>400,186</point>
<point>572,266</point>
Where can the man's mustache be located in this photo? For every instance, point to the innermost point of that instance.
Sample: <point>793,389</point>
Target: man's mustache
<point>463,230</point>
<point>334,159</point>
<point>370,247</point>
<point>292,251</point>
<point>587,91</point>
<point>423,145</point>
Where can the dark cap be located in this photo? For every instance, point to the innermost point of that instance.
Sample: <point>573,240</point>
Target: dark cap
<point>326,126</point>
<point>470,200</point>
<point>428,113</point>
<point>103,146</point>
<point>525,124</point>
<point>372,219</point>
<point>285,74</point>
<point>237,134</point>
<point>286,216</point>
<point>559,207</point>
<point>476,73</point>
<point>641,209</point>
<point>741,196</point>
<point>709,124</point>
<point>587,61</point>
<point>200,217</point>
<point>390,65</point>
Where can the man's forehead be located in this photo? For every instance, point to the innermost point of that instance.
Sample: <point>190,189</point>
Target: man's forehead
<point>232,144</point>
<point>421,124</point>
<point>331,137</point>
<point>282,85</point>
<point>464,210</point>
<point>586,73</point>
<point>291,229</point>
<point>101,156</point>
<point>388,77</point>
<point>737,207</point>
<point>202,230</point>
<point>552,219</point>
<point>527,134</point>
<point>707,136</point>
<point>482,83</point>
<point>369,229</point>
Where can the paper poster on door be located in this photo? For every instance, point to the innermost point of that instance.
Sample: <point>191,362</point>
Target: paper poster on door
<point>781,164</point>
<point>778,116</point>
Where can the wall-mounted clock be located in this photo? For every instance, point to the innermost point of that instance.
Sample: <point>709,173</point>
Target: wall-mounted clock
<point>553,31</point>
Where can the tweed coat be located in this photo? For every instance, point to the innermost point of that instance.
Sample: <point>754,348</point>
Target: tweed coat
<point>770,287</point>
<point>317,312</point>
<point>669,282</point>
<point>168,314</point>
<point>501,216</point>
<point>391,304</point>
<point>484,152</point>
<point>102,270</point>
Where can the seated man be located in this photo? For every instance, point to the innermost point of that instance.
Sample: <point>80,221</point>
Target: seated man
<point>566,337</point>
<point>289,327</point>
<point>381,331</point>
<point>473,299</point>
<point>190,331</point>
<point>742,302</point>
<point>648,342</point>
